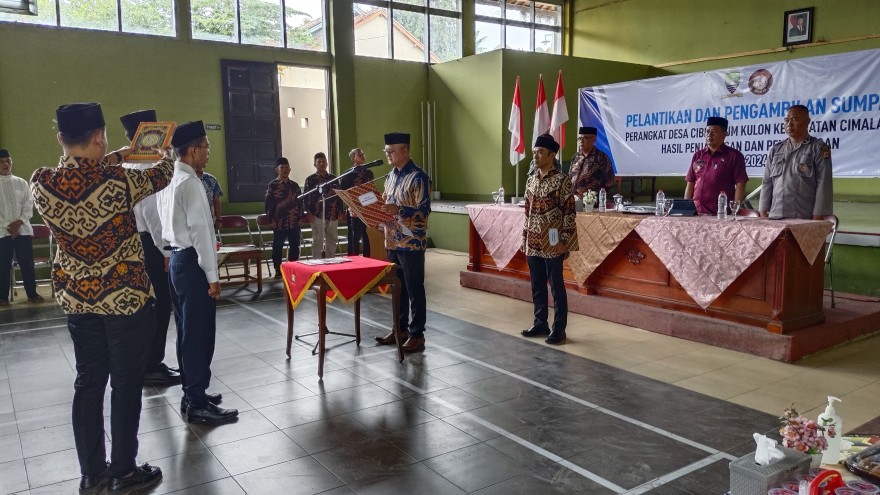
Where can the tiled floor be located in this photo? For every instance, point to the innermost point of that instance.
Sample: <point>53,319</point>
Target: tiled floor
<point>481,411</point>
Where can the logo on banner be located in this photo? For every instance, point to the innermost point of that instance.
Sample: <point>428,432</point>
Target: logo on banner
<point>731,82</point>
<point>760,82</point>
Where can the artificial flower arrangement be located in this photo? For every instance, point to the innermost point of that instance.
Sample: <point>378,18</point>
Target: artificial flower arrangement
<point>590,198</point>
<point>803,434</point>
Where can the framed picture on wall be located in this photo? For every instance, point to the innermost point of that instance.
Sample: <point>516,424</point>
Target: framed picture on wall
<point>797,27</point>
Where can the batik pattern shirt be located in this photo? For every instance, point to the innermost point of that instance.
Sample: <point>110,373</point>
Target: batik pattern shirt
<point>212,189</point>
<point>89,207</point>
<point>591,171</point>
<point>410,189</point>
<point>361,175</point>
<point>313,201</point>
<point>549,204</point>
<point>283,206</point>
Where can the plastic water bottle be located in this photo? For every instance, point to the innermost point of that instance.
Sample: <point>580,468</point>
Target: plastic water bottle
<point>661,203</point>
<point>722,206</point>
<point>501,195</point>
<point>603,197</point>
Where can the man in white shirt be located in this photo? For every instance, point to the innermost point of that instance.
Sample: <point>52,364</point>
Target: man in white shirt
<point>187,230</point>
<point>16,234</point>
<point>146,215</point>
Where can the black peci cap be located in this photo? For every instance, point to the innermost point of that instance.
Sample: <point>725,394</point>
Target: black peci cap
<point>187,133</point>
<point>77,118</point>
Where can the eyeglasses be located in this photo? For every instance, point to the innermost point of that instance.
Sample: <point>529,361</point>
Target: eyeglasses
<point>207,147</point>
<point>389,152</point>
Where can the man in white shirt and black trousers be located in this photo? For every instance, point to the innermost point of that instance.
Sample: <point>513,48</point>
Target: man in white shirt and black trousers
<point>146,215</point>
<point>188,232</point>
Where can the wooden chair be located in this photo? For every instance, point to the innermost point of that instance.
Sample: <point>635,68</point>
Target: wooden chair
<point>828,259</point>
<point>41,233</point>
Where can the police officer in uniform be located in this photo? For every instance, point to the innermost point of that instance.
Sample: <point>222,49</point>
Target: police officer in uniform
<point>797,175</point>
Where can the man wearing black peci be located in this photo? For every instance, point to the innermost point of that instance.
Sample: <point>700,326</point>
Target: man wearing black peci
<point>187,230</point>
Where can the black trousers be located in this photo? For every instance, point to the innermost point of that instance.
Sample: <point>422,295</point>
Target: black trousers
<point>23,247</point>
<point>541,271</point>
<point>154,262</point>
<point>292,236</point>
<point>411,272</point>
<point>195,313</point>
<point>357,233</point>
<point>113,346</point>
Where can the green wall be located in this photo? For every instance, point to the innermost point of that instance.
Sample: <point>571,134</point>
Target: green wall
<point>387,96</point>
<point>41,68</point>
<point>469,124</point>
<point>449,231</point>
<point>474,97</point>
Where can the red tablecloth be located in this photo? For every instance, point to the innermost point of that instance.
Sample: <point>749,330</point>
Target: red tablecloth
<point>348,280</point>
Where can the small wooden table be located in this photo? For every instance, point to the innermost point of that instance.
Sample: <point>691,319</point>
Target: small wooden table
<point>244,255</point>
<point>348,281</point>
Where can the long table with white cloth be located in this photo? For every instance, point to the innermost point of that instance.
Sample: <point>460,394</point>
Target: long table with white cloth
<point>755,271</point>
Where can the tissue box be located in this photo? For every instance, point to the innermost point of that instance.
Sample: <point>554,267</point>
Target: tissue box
<point>748,478</point>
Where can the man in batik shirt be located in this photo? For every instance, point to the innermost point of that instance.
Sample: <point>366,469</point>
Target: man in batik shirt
<point>408,198</point>
<point>591,169</point>
<point>357,229</point>
<point>549,234</point>
<point>325,209</point>
<point>284,209</point>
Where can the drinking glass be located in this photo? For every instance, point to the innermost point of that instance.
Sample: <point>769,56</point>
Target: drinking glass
<point>667,206</point>
<point>734,207</point>
<point>495,197</point>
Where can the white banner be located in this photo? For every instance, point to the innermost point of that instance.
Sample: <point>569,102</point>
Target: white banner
<point>653,126</point>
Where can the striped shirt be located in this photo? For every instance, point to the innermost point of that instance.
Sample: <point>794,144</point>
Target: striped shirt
<point>89,207</point>
<point>410,189</point>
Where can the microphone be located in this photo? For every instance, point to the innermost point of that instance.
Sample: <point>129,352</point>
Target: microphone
<point>374,163</point>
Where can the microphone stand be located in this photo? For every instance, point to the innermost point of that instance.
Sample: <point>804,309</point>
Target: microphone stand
<point>320,188</point>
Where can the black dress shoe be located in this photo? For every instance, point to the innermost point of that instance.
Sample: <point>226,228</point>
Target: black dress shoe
<point>162,376</point>
<point>555,338</point>
<point>389,339</point>
<point>143,476</point>
<point>536,331</point>
<point>210,414</point>
<point>87,482</point>
<point>212,398</point>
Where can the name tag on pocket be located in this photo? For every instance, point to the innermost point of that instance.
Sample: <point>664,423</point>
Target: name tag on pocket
<point>554,237</point>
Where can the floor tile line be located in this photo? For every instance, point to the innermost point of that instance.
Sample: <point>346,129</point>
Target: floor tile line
<point>32,321</point>
<point>583,472</point>
<point>13,332</point>
<point>678,473</point>
<point>515,438</point>
<point>591,405</point>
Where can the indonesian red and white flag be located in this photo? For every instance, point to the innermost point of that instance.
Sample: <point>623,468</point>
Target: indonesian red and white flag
<point>515,126</point>
<point>560,114</point>
<point>542,115</point>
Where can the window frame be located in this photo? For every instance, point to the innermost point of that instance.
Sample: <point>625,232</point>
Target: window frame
<point>532,25</point>
<point>119,28</point>
<point>284,27</point>
<point>426,10</point>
